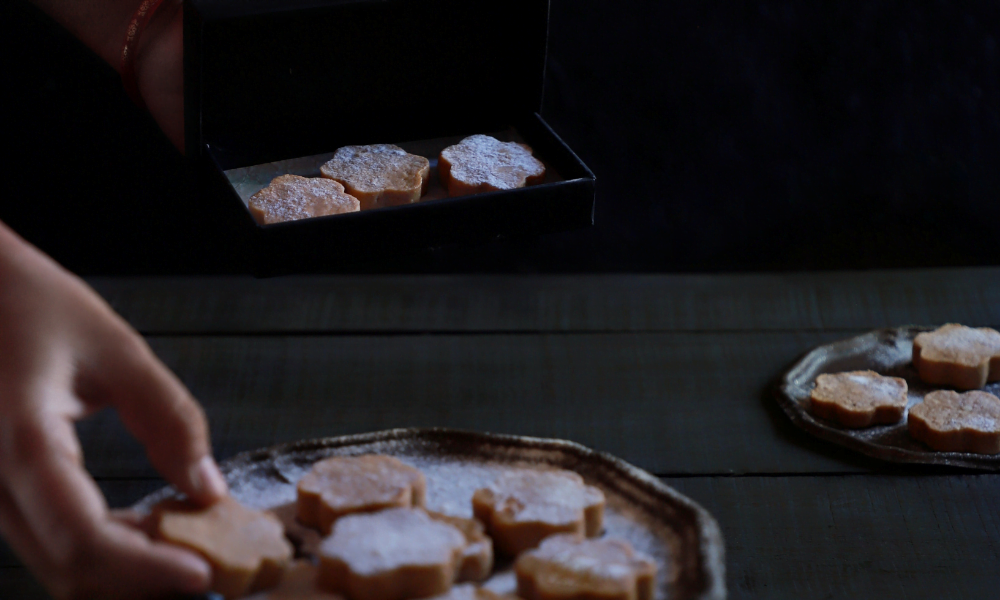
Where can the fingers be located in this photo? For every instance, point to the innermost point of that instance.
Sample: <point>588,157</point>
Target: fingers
<point>65,352</point>
<point>111,365</point>
<point>158,410</point>
<point>140,565</point>
<point>54,516</point>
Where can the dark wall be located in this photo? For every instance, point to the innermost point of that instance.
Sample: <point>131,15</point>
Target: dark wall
<point>767,135</point>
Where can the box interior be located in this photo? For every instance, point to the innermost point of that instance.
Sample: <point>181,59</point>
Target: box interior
<point>247,181</point>
<point>267,79</point>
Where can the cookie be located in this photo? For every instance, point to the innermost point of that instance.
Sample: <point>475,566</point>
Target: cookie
<point>958,356</point>
<point>859,398</point>
<point>481,163</point>
<point>394,554</point>
<point>953,422</point>
<point>523,507</point>
<point>379,175</point>
<point>477,557</point>
<point>290,198</point>
<point>467,591</point>
<point>343,485</point>
<point>567,567</point>
<point>299,582</point>
<point>306,540</point>
<point>246,548</point>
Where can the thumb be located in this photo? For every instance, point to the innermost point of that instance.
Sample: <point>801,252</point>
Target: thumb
<point>158,410</point>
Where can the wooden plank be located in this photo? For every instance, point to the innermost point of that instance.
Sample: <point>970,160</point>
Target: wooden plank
<point>856,536</point>
<point>670,403</point>
<point>120,493</point>
<point>840,300</point>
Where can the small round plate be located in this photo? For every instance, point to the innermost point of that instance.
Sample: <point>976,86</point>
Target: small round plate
<point>887,352</point>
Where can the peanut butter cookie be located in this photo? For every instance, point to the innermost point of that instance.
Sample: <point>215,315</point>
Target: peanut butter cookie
<point>467,591</point>
<point>477,557</point>
<point>953,422</point>
<point>958,356</point>
<point>481,163</point>
<point>343,485</point>
<point>859,398</point>
<point>522,507</point>
<point>394,554</point>
<point>290,198</point>
<point>567,567</point>
<point>299,582</point>
<point>246,548</point>
<point>379,175</point>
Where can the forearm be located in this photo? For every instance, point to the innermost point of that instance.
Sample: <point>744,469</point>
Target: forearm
<point>99,24</point>
<point>157,68</point>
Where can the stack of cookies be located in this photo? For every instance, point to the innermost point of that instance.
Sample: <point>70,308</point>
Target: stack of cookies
<point>381,175</point>
<point>961,419</point>
<point>377,540</point>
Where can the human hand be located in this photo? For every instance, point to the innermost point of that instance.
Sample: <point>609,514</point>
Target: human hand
<point>160,70</point>
<point>65,354</point>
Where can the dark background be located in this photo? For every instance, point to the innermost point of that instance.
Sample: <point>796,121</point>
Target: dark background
<point>724,136</point>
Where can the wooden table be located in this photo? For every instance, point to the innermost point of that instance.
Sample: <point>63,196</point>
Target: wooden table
<point>671,373</point>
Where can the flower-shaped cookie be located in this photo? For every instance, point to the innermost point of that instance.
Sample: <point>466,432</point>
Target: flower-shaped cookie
<point>394,554</point>
<point>958,356</point>
<point>859,398</point>
<point>290,198</point>
<point>246,548</point>
<point>566,567</point>
<point>343,485</point>
<point>523,507</point>
<point>467,591</point>
<point>953,422</point>
<point>379,175</point>
<point>481,163</point>
<point>299,582</point>
<point>477,557</point>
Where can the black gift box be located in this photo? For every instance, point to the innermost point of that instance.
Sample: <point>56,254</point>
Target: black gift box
<point>275,86</point>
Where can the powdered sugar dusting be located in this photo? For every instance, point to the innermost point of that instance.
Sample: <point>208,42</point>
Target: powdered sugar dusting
<point>555,497</point>
<point>392,539</point>
<point>605,558</point>
<point>376,168</point>
<point>884,389</point>
<point>483,160</point>
<point>355,482</point>
<point>961,344</point>
<point>290,198</point>
<point>950,411</point>
<point>860,390</point>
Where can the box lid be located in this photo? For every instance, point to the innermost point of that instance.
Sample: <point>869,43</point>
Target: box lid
<point>273,79</point>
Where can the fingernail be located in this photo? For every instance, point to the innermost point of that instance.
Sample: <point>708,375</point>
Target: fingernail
<point>209,480</point>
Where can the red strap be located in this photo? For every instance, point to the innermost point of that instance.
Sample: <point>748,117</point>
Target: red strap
<point>136,26</point>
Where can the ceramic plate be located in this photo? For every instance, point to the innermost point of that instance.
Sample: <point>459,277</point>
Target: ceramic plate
<point>681,536</point>
<point>888,352</point>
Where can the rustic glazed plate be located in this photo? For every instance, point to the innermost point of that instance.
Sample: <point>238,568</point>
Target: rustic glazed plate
<point>888,352</point>
<point>681,536</point>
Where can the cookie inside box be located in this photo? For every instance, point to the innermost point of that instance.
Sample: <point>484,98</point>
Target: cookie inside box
<point>247,181</point>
